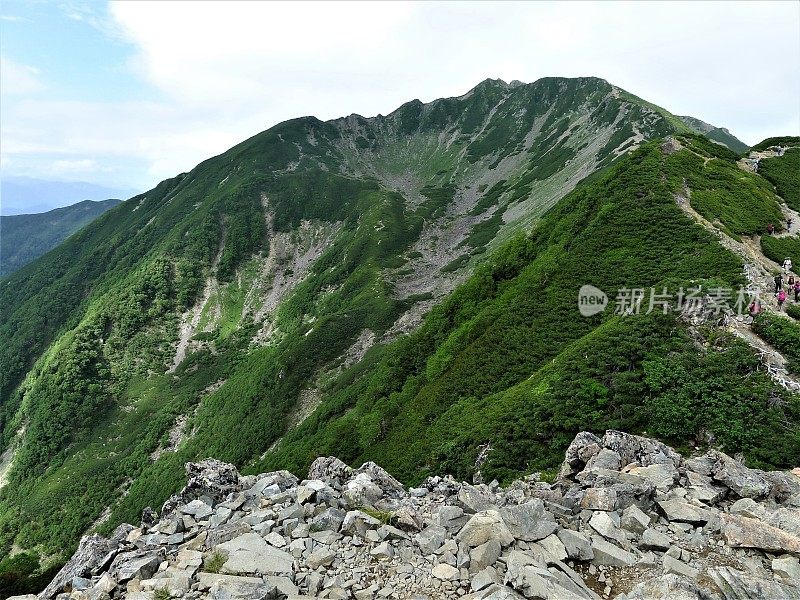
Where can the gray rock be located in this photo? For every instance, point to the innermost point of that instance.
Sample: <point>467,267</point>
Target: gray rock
<point>249,553</point>
<point>321,557</point>
<point>677,510</point>
<point>382,551</point>
<point>576,544</point>
<point>484,526</point>
<point>743,532</point>
<point>473,500</point>
<point>329,468</point>
<point>605,459</point>
<point>484,555</point>
<point>737,585</point>
<point>673,565</point>
<point>554,548</point>
<point>642,450</point>
<point>380,477</point>
<point>358,523</point>
<point>654,540</point>
<point>445,572</point>
<point>666,587</point>
<point>610,555</point>
<point>92,551</point>
<point>529,521</point>
<point>604,524</point>
<point>599,499</point>
<point>787,568</point>
<point>484,579</point>
<point>634,519</point>
<point>198,509</point>
<point>744,482</point>
<point>226,532</point>
<point>663,476</point>
<point>136,565</point>
<point>578,453</point>
<point>330,519</point>
<point>702,488</point>
<point>431,538</point>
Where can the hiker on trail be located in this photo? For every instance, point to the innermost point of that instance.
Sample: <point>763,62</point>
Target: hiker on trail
<point>754,308</point>
<point>790,282</point>
<point>778,282</point>
<point>789,224</point>
<point>797,291</point>
<point>787,265</point>
<point>781,299</point>
<point>770,229</point>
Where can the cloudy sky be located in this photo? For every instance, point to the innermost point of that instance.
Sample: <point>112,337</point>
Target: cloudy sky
<point>126,94</point>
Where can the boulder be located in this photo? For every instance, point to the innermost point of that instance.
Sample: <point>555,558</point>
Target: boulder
<point>610,555</point>
<point>678,567</point>
<point>529,521</point>
<point>445,572</point>
<point>641,450</point>
<point>578,453</point>
<point>744,482</point>
<point>787,569</point>
<point>321,557</point>
<point>431,538</point>
<point>599,499</point>
<point>738,585</point>
<point>250,553</point>
<point>662,475</point>
<point>92,550</point>
<point>634,520</point>
<point>576,544</point>
<point>744,532</point>
<point>329,468</point>
<point>684,512</point>
<point>666,587</point>
<point>654,540</point>
<point>484,526</point>
<point>484,555</point>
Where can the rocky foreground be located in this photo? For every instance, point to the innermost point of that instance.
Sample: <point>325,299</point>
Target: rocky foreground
<point>627,518</point>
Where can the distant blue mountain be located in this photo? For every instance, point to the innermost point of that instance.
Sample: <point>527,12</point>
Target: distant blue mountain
<point>24,195</point>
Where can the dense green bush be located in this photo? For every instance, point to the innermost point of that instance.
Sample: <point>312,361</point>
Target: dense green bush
<point>784,173</point>
<point>778,248</point>
<point>782,334</point>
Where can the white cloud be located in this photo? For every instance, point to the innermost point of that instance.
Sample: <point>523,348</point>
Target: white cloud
<point>217,73</point>
<point>18,79</point>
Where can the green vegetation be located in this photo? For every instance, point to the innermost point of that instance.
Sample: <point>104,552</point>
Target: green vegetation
<point>742,202</point>
<point>793,310</point>
<point>784,173</point>
<point>782,334</point>
<point>27,237</point>
<point>778,248</point>
<point>90,329</point>
<point>385,517</point>
<point>787,140</point>
<point>214,562</point>
<point>507,361</point>
<point>162,593</point>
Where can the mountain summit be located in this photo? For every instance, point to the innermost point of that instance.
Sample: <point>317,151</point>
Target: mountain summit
<point>401,289</point>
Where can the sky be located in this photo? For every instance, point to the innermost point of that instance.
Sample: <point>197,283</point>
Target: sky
<point>126,94</point>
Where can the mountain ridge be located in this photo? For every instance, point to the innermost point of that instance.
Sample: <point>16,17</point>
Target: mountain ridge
<point>261,292</point>
<point>25,237</point>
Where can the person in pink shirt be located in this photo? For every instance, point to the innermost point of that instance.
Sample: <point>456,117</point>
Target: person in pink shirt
<point>781,299</point>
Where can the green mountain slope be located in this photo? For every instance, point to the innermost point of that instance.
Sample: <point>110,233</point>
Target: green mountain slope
<point>254,309</point>
<point>717,134</point>
<point>24,238</point>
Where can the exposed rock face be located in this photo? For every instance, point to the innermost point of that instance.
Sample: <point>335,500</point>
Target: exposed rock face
<point>628,518</point>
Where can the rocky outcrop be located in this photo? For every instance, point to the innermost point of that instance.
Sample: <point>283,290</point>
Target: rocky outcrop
<point>627,518</point>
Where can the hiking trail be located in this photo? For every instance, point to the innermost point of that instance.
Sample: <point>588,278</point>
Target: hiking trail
<point>758,270</point>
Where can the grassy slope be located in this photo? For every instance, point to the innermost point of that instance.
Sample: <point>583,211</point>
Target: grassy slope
<point>782,172</point>
<point>507,361</point>
<point>26,237</point>
<point>96,318</point>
